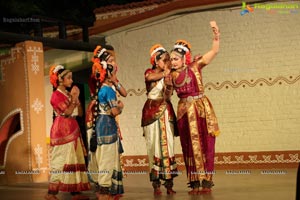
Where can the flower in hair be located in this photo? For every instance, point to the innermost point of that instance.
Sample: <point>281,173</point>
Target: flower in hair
<point>153,51</point>
<point>98,72</point>
<point>57,68</point>
<point>100,52</point>
<point>104,64</point>
<point>184,42</point>
<point>53,75</point>
<point>96,50</point>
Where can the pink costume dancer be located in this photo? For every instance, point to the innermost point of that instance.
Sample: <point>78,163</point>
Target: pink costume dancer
<point>196,119</point>
<point>67,165</point>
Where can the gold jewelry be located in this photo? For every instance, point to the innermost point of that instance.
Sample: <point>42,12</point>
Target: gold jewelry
<point>119,86</point>
<point>187,79</point>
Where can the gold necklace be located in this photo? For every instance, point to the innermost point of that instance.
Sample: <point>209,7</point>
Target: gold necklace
<point>66,93</point>
<point>187,79</point>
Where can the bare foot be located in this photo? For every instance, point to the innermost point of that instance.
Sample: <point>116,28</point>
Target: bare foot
<point>157,192</point>
<point>205,191</point>
<point>170,192</point>
<point>51,197</point>
<point>194,191</point>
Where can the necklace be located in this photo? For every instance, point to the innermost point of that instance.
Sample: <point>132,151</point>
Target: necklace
<point>187,79</point>
<point>66,93</point>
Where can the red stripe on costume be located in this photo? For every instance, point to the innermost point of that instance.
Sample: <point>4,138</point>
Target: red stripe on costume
<point>74,168</point>
<point>74,187</point>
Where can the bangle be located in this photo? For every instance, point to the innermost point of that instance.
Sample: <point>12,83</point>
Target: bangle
<point>118,86</point>
<point>216,37</point>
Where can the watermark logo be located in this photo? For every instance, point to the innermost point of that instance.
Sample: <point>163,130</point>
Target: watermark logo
<point>20,20</point>
<point>246,8</point>
<point>271,8</point>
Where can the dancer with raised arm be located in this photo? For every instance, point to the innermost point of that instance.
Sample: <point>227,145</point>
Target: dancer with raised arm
<point>196,119</point>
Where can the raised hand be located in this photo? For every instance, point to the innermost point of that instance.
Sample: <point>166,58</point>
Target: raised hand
<point>215,29</point>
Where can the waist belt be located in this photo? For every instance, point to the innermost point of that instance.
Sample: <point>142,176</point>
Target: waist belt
<point>191,98</point>
<point>66,116</point>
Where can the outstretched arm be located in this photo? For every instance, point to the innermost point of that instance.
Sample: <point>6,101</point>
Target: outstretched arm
<point>209,56</point>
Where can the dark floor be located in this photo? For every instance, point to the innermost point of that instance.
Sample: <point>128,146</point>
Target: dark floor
<point>254,185</point>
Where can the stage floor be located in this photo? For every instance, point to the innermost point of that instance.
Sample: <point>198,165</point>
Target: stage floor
<point>229,185</point>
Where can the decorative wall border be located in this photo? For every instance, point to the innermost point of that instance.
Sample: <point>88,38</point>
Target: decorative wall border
<point>139,92</point>
<point>252,83</point>
<point>235,84</point>
<point>35,68</point>
<point>27,106</point>
<point>230,160</point>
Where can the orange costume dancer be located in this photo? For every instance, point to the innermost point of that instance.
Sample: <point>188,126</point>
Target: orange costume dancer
<point>67,165</point>
<point>196,119</point>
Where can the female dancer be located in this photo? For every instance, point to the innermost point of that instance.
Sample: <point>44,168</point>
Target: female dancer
<point>196,119</point>
<point>67,165</point>
<point>108,140</point>
<point>159,122</point>
<point>108,56</point>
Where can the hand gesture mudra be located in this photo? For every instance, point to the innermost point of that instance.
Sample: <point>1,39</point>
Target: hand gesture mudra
<point>168,80</point>
<point>215,29</point>
<point>75,93</point>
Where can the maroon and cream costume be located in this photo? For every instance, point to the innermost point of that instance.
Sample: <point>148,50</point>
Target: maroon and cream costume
<point>159,128</point>
<point>158,121</point>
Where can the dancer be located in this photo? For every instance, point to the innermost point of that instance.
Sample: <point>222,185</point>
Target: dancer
<point>159,122</point>
<point>109,177</point>
<point>67,165</point>
<point>108,56</point>
<point>196,119</point>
